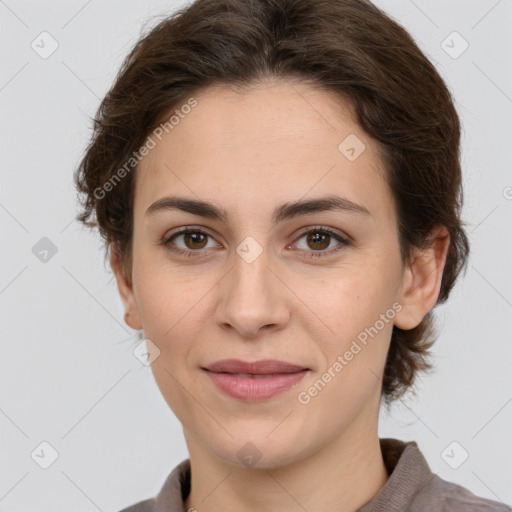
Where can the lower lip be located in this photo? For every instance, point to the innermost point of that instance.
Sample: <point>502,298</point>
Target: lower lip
<point>254,388</point>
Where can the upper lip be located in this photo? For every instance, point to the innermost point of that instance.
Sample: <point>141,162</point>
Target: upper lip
<point>265,366</point>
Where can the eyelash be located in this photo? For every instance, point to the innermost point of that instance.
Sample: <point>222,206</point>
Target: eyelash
<point>313,254</point>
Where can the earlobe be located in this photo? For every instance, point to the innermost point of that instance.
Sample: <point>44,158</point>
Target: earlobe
<point>422,280</point>
<point>125,287</point>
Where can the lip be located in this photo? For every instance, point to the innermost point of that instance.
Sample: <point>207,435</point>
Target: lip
<point>252,381</point>
<point>265,366</point>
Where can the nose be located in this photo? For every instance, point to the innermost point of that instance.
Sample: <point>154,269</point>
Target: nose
<point>253,298</point>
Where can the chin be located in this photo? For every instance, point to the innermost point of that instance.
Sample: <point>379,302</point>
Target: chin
<point>260,451</point>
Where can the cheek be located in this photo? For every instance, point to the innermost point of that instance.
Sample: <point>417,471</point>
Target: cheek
<point>164,300</point>
<point>353,363</point>
<point>351,299</point>
<point>358,309</point>
<point>171,313</point>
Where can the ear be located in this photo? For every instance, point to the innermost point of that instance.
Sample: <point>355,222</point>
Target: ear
<point>125,287</point>
<point>422,280</point>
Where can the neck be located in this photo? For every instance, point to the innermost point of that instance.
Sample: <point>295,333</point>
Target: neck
<point>343,475</point>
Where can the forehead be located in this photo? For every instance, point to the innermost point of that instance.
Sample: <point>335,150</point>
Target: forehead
<point>278,139</point>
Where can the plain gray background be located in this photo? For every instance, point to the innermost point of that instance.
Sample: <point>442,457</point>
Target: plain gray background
<point>67,373</point>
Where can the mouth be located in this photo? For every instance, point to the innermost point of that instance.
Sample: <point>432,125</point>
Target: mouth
<point>254,381</point>
<point>263,367</point>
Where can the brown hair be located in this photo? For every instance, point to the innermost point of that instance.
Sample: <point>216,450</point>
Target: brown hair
<point>349,47</point>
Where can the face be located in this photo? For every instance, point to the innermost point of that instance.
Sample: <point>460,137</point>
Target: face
<point>319,287</point>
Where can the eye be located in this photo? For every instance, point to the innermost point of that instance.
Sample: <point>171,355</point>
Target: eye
<point>319,239</point>
<point>193,239</point>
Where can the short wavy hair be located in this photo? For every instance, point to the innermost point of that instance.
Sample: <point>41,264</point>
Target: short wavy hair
<point>349,47</point>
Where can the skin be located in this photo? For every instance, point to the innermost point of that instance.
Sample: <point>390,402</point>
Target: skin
<point>249,152</point>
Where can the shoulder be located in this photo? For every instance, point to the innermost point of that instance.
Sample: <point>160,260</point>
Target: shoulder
<point>141,506</point>
<point>452,497</point>
<point>170,496</point>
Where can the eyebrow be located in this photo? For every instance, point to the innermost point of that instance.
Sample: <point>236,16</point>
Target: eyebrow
<point>283,212</point>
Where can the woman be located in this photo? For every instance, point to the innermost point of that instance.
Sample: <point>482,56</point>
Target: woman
<point>278,183</point>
